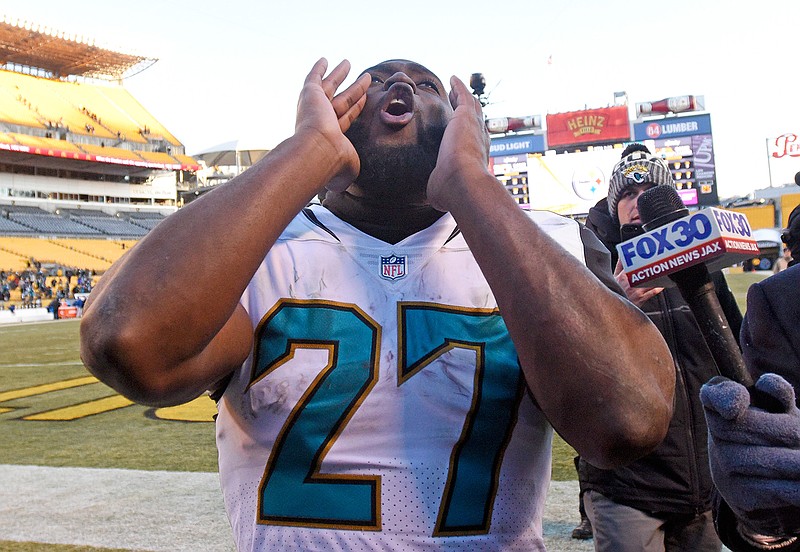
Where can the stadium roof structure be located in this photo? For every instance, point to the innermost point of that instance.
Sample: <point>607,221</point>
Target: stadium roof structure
<point>63,54</point>
<point>245,153</point>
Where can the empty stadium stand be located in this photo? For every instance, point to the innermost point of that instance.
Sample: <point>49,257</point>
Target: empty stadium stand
<point>22,220</point>
<point>111,226</point>
<point>68,123</point>
<point>48,224</point>
<point>9,227</point>
<point>85,169</point>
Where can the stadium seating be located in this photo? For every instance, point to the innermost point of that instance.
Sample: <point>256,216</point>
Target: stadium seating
<point>52,252</point>
<point>185,159</point>
<point>81,147</point>
<point>49,107</point>
<point>119,96</point>
<point>39,142</point>
<point>31,221</point>
<point>158,157</point>
<point>117,153</point>
<point>107,250</point>
<point>102,111</point>
<point>111,226</point>
<point>11,261</point>
<point>12,109</point>
<point>145,220</point>
<point>53,225</point>
<point>8,226</point>
<point>88,253</point>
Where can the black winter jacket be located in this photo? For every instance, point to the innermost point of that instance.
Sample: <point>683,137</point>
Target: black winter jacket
<point>675,478</point>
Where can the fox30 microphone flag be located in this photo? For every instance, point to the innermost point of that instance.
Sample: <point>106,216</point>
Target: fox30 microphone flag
<point>713,236</point>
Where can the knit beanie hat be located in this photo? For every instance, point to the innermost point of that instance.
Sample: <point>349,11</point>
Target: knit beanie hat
<point>637,166</point>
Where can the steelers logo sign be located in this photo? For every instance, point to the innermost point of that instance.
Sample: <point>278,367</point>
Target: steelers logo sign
<point>589,183</point>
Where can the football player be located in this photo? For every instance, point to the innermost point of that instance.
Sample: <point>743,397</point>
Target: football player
<point>372,397</point>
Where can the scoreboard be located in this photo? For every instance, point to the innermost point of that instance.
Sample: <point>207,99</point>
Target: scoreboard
<point>686,145</point>
<point>570,181</point>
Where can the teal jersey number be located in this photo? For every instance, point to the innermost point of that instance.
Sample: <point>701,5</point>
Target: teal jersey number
<point>294,492</point>
<point>428,331</point>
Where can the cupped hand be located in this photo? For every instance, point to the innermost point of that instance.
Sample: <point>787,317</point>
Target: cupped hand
<point>464,151</point>
<point>324,116</point>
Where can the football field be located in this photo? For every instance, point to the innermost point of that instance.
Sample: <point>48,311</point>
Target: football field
<point>84,469</point>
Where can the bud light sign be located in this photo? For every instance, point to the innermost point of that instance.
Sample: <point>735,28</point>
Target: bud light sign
<point>713,236</point>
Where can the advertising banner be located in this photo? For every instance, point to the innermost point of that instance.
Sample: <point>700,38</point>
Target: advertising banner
<point>672,127</point>
<point>519,143</point>
<point>784,158</point>
<point>605,124</point>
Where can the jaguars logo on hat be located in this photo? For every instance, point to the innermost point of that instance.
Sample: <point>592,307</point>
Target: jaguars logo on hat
<point>638,173</point>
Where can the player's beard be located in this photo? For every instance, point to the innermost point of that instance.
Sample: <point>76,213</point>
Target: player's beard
<point>396,172</point>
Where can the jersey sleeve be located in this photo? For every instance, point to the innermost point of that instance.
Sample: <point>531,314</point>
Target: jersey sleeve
<point>598,259</point>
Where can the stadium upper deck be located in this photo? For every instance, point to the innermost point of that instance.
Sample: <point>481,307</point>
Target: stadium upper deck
<point>72,137</point>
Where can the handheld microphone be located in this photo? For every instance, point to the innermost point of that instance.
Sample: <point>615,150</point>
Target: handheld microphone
<point>660,206</point>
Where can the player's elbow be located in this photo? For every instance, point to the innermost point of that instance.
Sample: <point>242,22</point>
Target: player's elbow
<point>640,438</point>
<point>644,404</point>
<point>636,432</point>
<point>119,356</point>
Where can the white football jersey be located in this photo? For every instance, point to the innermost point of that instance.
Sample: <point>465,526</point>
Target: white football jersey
<point>383,406</point>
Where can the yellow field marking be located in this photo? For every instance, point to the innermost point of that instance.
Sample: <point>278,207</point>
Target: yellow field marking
<point>82,410</point>
<point>46,388</point>
<point>202,409</point>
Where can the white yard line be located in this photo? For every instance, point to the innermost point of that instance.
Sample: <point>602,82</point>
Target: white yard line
<point>137,510</point>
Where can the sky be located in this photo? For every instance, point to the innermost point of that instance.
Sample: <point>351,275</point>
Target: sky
<point>232,70</point>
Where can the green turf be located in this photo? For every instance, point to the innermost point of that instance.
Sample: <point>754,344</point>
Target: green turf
<point>34,354</point>
<point>740,282</point>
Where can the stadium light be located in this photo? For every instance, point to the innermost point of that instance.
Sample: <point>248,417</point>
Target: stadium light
<point>478,83</point>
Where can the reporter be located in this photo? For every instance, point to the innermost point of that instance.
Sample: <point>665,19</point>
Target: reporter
<point>662,501</point>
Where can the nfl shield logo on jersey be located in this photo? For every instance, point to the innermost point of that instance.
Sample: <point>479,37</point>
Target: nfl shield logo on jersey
<point>393,267</point>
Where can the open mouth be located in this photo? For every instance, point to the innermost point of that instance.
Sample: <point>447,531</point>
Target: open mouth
<point>398,108</point>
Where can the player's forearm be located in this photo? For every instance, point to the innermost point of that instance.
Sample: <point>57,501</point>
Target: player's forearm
<point>572,333</point>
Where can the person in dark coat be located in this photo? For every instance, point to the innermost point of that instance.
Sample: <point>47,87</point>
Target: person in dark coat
<point>755,452</point>
<point>753,512</point>
<point>663,500</point>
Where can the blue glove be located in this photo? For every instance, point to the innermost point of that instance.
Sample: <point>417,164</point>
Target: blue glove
<point>755,453</point>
